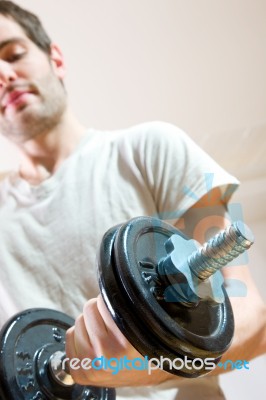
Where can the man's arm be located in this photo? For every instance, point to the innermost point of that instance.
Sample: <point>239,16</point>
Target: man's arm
<point>249,311</point>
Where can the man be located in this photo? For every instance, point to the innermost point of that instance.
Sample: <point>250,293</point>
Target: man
<point>74,184</point>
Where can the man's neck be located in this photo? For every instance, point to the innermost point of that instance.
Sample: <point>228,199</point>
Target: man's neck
<point>43,155</point>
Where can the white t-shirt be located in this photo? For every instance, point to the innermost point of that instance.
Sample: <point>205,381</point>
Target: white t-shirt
<point>50,233</point>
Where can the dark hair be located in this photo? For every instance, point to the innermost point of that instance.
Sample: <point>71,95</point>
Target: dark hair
<point>29,22</point>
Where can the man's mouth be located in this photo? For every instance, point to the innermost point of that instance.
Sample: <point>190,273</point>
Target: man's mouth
<point>15,99</point>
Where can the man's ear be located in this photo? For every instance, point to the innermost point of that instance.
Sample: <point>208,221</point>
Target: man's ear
<point>57,61</point>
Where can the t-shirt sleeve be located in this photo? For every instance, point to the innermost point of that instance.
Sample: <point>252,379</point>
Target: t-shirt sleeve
<point>176,170</point>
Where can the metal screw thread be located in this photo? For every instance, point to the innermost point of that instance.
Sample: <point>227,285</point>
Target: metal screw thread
<point>220,250</point>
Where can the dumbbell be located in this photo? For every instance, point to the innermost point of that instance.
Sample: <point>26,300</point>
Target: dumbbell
<point>165,293</point>
<point>32,351</point>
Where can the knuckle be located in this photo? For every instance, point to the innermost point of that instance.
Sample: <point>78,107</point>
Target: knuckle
<point>89,306</point>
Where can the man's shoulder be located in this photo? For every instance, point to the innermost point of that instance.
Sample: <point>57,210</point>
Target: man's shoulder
<point>153,138</point>
<point>143,132</point>
<point>154,127</point>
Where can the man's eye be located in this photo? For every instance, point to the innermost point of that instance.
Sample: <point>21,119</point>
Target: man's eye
<point>15,57</point>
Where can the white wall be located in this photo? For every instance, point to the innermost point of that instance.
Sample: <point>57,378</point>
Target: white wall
<point>197,63</point>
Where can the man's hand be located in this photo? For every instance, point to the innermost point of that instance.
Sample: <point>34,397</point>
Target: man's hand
<point>94,335</point>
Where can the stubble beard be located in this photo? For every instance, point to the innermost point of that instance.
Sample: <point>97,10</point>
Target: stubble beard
<point>41,117</point>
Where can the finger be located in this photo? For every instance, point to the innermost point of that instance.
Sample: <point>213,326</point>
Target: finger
<point>83,340</point>
<point>103,340</point>
<point>93,320</point>
<point>77,374</point>
<point>78,348</point>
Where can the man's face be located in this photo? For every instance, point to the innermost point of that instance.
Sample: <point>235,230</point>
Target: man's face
<point>32,97</point>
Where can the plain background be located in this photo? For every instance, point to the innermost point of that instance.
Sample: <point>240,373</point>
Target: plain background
<point>199,64</point>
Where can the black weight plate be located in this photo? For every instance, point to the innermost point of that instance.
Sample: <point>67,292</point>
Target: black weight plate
<point>23,341</point>
<point>127,317</point>
<point>153,327</point>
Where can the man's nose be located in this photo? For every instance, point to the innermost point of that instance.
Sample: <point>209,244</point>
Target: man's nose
<point>7,74</point>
